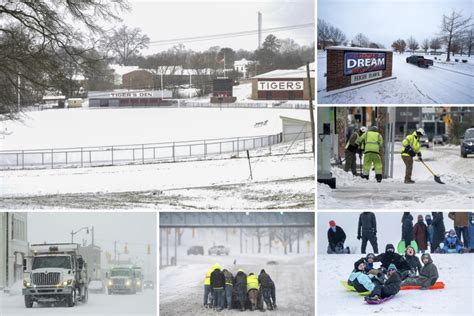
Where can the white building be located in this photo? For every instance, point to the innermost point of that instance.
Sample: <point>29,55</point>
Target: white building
<point>242,66</point>
<point>13,247</point>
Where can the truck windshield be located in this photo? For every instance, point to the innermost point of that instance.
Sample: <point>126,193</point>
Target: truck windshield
<point>62,262</point>
<point>116,273</point>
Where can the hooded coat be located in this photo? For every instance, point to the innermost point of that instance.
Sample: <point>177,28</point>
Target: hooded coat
<point>428,274</point>
<point>407,228</point>
<point>461,219</point>
<point>420,233</point>
<point>387,258</point>
<point>265,280</point>
<point>240,282</point>
<point>217,279</point>
<point>438,229</point>
<point>336,237</point>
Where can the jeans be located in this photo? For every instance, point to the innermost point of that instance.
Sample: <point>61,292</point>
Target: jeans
<point>228,295</point>
<point>219,297</point>
<point>465,235</point>
<point>267,292</point>
<point>207,294</point>
<point>273,294</point>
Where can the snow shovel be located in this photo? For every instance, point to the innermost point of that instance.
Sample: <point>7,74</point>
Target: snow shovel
<point>436,178</point>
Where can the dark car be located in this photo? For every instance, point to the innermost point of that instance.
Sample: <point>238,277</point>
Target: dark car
<point>196,250</point>
<point>467,143</point>
<point>420,61</point>
<point>424,142</point>
<point>148,285</point>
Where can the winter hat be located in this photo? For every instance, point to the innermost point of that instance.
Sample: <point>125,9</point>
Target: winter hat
<point>428,216</point>
<point>263,271</point>
<point>426,255</point>
<point>389,246</point>
<point>358,262</point>
<point>332,223</point>
<point>452,233</point>
<point>420,217</point>
<point>392,267</point>
<point>370,255</point>
<point>240,270</point>
<point>217,266</point>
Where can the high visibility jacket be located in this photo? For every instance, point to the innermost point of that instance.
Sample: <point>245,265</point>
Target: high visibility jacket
<point>412,141</point>
<point>207,280</point>
<point>252,282</point>
<point>371,141</point>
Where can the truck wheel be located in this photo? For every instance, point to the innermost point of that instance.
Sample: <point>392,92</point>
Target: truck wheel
<point>71,299</point>
<point>28,301</point>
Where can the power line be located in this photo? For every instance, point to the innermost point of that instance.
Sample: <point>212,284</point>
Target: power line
<point>229,35</point>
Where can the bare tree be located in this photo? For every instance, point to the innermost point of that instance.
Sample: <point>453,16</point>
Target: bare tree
<point>336,36</point>
<point>412,44</point>
<point>399,46</point>
<point>360,40</point>
<point>425,45</point>
<point>125,43</point>
<point>324,34</point>
<point>435,44</point>
<point>453,26</point>
<point>35,38</point>
<point>469,41</point>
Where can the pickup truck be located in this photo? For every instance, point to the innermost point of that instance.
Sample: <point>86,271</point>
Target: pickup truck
<point>420,61</point>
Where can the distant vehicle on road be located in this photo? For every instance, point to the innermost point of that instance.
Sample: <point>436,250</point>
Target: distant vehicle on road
<point>424,142</point>
<point>96,286</point>
<point>219,250</point>
<point>420,61</point>
<point>196,250</point>
<point>148,285</point>
<point>438,140</point>
<point>467,143</point>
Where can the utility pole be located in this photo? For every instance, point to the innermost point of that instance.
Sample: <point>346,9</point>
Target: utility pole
<point>92,236</point>
<point>18,89</point>
<point>259,30</point>
<point>311,112</point>
<point>162,89</point>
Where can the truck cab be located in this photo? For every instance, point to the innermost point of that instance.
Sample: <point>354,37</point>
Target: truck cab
<point>55,273</point>
<point>122,280</point>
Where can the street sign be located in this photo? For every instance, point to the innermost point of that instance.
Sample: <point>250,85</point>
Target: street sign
<point>366,76</point>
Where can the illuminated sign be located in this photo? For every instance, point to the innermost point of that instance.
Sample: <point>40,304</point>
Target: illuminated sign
<point>360,62</point>
<point>280,85</point>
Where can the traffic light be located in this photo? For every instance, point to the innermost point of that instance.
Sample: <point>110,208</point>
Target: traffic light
<point>125,249</point>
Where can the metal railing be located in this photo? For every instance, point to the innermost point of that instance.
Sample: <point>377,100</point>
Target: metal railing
<point>136,153</point>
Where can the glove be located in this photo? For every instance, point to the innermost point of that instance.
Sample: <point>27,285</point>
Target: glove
<point>410,151</point>
<point>358,237</point>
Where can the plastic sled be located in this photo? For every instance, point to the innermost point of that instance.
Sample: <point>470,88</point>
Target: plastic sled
<point>352,289</point>
<point>380,301</point>
<point>437,286</point>
<point>401,246</point>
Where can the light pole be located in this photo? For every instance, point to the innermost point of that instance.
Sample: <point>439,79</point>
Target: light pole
<point>77,231</point>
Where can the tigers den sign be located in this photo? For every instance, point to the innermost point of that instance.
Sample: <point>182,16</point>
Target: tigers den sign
<point>347,66</point>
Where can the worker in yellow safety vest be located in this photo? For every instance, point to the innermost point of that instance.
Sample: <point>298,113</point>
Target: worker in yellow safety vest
<point>411,148</point>
<point>372,143</point>
<point>207,288</point>
<point>352,149</point>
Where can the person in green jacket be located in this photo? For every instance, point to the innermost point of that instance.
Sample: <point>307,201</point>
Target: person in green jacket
<point>351,149</point>
<point>372,143</point>
<point>411,148</point>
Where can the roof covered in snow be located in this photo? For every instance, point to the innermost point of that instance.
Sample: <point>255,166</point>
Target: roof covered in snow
<point>358,48</point>
<point>286,73</point>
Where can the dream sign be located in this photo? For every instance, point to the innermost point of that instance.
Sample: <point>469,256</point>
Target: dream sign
<point>357,63</point>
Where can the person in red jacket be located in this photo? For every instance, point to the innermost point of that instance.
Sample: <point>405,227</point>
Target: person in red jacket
<point>420,234</point>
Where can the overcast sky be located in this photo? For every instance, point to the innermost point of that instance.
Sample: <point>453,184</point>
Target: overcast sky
<point>136,229</point>
<point>173,19</point>
<point>385,21</point>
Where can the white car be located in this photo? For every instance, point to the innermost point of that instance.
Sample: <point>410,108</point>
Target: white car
<point>218,250</point>
<point>96,286</point>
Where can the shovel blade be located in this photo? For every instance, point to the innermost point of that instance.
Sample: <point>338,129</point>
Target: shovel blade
<point>437,179</point>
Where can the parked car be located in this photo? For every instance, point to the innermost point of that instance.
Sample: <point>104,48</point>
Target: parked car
<point>96,286</point>
<point>196,250</point>
<point>438,140</point>
<point>219,250</point>
<point>420,61</point>
<point>467,143</point>
<point>149,285</point>
<point>424,142</point>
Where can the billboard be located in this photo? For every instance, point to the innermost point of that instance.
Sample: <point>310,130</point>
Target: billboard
<point>361,62</point>
<point>280,85</point>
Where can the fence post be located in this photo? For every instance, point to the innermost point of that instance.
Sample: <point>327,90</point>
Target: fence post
<point>112,149</point>
<point>238,147</point>
<point>205,149</point>
<point>220,148</point>
<point>270,143</point>
<point>52,159</point>
<point>90,157</point>
<point>66,157</point>
<point>143,153</point>
<point>190,150</point>
<point>173,153</point>
<point>82,159</point>
<point>17,159</point>
<point>22,159</point>
<point>42,158</point>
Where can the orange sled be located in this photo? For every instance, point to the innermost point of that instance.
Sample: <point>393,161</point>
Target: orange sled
<point>436,286</point>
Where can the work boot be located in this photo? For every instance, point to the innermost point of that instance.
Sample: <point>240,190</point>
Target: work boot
<point>409,181</point>
<point>378,177</point>
<point>274,306</point>
<point>242,309</point>
<point>365,177</point>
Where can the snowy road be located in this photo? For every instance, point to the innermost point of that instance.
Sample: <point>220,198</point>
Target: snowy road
<point>451,83</point>
<point>456,299</point>
<point>457,193</point>
<point>98,305</point>
<point>181,287</point>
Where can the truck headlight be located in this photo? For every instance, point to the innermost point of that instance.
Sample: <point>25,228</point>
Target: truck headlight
<point>111,283</point>
<point>138,282</point>
<point>67,282</point>
<point>127,283</point>
<point>26,283</point>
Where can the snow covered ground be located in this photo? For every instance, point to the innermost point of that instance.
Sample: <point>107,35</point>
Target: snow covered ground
<point>357,193</point>
<point>182,289</point>
<point>451,83</point>
<point>143,303</point>
<point>457,271</point>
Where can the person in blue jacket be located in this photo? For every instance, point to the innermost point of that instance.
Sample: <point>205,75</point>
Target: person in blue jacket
<point>452,243</point>
<point>369,262</point>
<point>359,279</point>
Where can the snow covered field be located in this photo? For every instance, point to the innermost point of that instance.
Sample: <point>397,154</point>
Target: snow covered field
<point>182,289</point>
<point>143,303</point>
<point>457,271</point>
<point>451,83</point>
<point>457,193</point>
